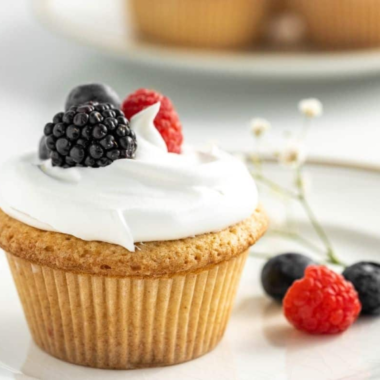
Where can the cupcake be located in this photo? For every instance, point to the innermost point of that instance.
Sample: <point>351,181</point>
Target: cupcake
<point>125,255</point>
<point>207,23</point>
<point>341,23</point>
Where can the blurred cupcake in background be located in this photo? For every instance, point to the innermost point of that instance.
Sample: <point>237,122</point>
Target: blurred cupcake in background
<point>201,23</point>
<point>341,23</point>
<point>279,6</point>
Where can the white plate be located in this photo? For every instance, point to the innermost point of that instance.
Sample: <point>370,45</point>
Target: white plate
<point>259,344</point>
<point>102,25</point>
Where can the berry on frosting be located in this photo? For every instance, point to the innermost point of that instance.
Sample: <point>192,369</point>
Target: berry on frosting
<point>95,92</point>
<point>167,121</point>
<point>365,276</point>
<point>43,151</point>
<point>91,134</point>
<point>281,271</point>
<point>322,302</point>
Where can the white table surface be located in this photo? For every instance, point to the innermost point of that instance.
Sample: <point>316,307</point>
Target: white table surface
<point>37,69</point>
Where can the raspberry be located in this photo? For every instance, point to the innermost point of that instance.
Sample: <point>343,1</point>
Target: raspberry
<point>322,302</point>
<point>167,121</point>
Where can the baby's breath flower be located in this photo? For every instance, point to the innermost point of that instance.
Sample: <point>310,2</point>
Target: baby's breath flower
<point>259,126</point>
<point>311,107</point>
<point>293,155</point>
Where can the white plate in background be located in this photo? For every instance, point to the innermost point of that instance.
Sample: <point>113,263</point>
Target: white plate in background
<point>102,24</point>
<point>259,344</point>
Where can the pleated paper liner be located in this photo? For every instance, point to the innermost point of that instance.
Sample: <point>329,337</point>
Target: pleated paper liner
<point>123,323</point>
<point>213,24</point>
<point>341,24</point>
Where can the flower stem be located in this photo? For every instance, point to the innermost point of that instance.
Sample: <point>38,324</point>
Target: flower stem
<point>274,186</point>
<point>314,222</point>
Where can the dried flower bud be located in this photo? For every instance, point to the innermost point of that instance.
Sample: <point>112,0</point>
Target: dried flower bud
<point>293,155</point>
<point>311,107</point>
<point>259,126</point>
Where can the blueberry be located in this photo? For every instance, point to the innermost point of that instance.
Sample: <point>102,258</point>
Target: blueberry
<point>43,150</point>
<point>365,276</point>
<point>92,92</point>
<point>281,271</point>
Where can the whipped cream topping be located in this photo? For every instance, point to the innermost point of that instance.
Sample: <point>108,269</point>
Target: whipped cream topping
<point>157,196</point>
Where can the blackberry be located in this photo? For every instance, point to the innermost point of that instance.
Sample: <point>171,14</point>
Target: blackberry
<point>90,134</point>
<point>96,92</point>
<point>365,276</point>
<point>281,271</point>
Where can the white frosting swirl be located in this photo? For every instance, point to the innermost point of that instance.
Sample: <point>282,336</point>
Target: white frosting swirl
<point>157,196</point>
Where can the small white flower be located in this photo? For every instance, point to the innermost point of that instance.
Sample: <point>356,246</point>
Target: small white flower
<point>293,155</point>
<point>259,126</point>
<point>311,107</point>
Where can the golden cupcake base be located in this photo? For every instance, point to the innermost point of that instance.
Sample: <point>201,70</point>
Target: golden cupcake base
<point>200,23</point>
<point>127,322</point>
<point>341,24</point>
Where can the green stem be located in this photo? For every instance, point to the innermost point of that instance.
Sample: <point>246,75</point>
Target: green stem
<point>314,222</point>
<point>274,186</point>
